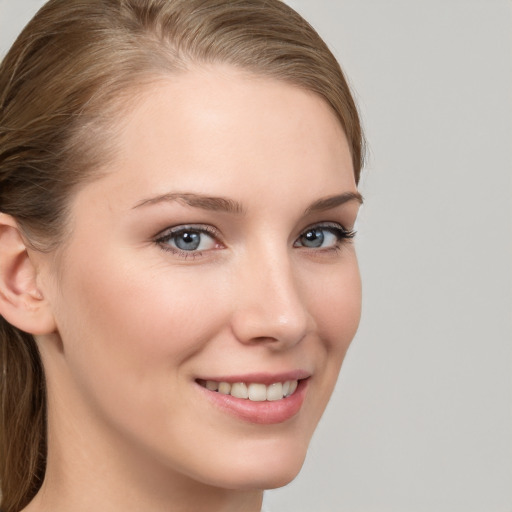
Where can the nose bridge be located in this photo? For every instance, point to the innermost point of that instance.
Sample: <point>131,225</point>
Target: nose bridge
<point>270,304</point>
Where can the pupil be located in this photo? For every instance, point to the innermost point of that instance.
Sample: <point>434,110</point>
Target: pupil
<point>314,238</point>
<point>188,241</point>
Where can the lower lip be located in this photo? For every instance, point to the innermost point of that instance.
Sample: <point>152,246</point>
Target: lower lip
<point>262,413</point>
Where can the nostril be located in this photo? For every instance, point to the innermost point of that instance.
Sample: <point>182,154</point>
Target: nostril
<point>263,339</point>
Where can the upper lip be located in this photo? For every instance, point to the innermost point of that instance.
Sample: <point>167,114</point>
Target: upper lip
<point>261,377</point>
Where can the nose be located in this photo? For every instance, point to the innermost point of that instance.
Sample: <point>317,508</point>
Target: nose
<point>270,304</point>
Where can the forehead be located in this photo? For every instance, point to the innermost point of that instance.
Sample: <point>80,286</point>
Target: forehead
<point>213,128</point>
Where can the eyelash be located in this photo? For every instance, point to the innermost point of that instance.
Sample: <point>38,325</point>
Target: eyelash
<point>342,235</point>
<point>170,233</point>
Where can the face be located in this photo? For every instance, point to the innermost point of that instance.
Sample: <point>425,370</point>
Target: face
<point>209,290</point>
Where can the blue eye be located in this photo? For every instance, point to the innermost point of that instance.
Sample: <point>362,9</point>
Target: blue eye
<point>323,237</point>
<point>187,239</point>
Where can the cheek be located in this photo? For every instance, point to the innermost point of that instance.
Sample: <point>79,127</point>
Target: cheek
<point>127,324</point>
<point>336,305</point>
<point>334,301</point>
<point>128,338</point>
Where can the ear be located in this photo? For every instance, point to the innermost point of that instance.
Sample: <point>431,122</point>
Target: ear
<point>22,304</point>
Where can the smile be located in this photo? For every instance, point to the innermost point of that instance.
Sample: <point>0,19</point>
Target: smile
<point>258,398</point>
<point>256,392</point>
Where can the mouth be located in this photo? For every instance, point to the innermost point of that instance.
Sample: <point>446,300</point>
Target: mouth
<point>253,391</point>
<point>258,399</point>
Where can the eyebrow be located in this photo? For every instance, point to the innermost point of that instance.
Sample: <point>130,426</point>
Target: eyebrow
<point>216,204</point>
<point>326,203</point>
<point>223,204</point>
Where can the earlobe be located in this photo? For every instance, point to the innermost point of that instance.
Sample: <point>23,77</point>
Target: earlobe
<point>22,304</point>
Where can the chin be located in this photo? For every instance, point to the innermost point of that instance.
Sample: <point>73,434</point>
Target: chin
<point>268,478</point>
<point>263,468</point>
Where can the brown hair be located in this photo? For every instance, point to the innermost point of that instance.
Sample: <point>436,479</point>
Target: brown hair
<point>61,89</point>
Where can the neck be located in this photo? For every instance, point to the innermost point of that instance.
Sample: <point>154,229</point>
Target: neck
<point>48,500</point>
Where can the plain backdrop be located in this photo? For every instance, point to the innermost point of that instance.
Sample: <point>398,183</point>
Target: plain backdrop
<point>421,420</point>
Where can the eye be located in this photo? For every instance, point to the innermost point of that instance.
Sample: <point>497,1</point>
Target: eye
<point>324,236</point>
<point>188,239</point>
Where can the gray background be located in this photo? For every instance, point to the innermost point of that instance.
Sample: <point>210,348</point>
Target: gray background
<point>421,420</point>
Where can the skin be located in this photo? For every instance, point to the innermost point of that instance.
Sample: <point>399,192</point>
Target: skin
<point>134,324</point>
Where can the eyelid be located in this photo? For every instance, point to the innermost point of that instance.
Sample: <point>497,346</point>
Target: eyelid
<point>331,225</point>
<point>202,228</point>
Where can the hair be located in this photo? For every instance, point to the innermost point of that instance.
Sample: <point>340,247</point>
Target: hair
<point>63,85</point>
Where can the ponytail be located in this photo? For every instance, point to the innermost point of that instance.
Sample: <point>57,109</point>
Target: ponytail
<point>22,418</point>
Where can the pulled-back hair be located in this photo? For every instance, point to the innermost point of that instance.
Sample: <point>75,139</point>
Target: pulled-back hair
<point>64,83</point>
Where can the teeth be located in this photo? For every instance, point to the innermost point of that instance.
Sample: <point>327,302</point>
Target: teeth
<point>254,391</point>
<point>257,392</point>
<point>239,390</point>
<point>293,387</point>
<point>275,392</point>
<point>224,388</point>
<point>212,385</point>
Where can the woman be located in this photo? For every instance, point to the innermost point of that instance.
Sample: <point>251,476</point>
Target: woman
<point>178,286</point>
